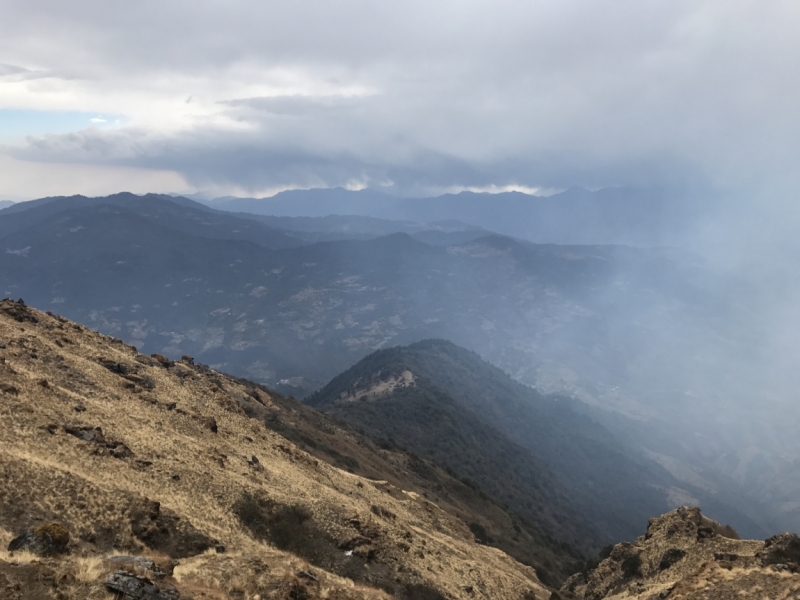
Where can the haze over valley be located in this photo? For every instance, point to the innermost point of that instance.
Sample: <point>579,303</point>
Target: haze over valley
<point>404,300</point>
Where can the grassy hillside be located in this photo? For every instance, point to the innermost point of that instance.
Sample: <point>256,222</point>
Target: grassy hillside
<point>132,454</point>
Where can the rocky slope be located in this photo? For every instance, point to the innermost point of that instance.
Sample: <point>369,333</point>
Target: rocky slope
<point>106,452</point>
<point>687,556</point>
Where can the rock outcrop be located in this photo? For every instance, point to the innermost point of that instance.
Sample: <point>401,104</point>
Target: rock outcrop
<point>685,555</point>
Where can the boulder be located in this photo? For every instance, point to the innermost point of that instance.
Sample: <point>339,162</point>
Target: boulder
<point>18,311</point>
<point>134,587</point>
<point>163,360</point>
<point>48,539</point>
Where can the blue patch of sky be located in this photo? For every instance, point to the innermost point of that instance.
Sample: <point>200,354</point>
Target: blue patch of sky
<point>16,124</point>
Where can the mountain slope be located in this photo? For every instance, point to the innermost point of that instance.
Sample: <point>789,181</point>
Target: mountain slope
<point>426,421</point>
<point>130,453</point>
<point>433,396</point>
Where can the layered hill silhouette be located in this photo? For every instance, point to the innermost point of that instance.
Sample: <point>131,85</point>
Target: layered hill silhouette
<point>562,316</point>
<point>638,335</point>
<point>573,216</point>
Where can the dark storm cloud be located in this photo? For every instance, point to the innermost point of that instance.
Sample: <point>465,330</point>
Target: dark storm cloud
<point>418,95</point>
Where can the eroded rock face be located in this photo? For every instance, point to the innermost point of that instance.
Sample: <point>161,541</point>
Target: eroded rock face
<point>49,539</point>
<point>686,555</point>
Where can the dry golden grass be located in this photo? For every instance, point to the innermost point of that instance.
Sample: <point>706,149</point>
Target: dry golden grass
<point>19,557</point>
<point>89,569</point>
<point>198,475</point>
<point>244,577</point>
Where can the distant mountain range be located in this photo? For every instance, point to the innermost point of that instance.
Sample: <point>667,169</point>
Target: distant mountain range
<point>5,204</point>
<point>575,216</point>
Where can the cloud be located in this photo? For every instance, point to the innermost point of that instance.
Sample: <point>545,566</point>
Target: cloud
<point>12,70</point>
<point>64,179</point>
<point>429,96</point>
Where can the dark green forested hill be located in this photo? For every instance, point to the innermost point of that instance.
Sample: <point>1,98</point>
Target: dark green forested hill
<point>426,420</point>
<point>529,450</point>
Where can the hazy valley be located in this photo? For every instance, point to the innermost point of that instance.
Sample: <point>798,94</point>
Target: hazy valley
<point>655,344</point>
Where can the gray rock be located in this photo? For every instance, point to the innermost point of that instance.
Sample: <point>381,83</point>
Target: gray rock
<point>134,587</point>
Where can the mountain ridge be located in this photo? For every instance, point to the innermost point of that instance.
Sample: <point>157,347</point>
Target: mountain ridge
<point>576,215</point>
<point>597,470</point>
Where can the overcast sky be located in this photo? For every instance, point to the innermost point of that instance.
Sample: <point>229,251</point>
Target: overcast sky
<point>413,97</point>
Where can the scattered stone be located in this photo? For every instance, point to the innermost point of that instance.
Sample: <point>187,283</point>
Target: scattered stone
<point>95,435</point>
<point>145,381</point>
<point>146,360</point>
<point>79,408</point>
<point>134,587</point>
<point>117,367</point>
<point>18,311</point>
<point>187,359</point>
<point>176,477</point>
<point>9,389</point>
<point>48,539</point>
<point>219,549</point>
<point>253,462</point>
<point>44,383</point>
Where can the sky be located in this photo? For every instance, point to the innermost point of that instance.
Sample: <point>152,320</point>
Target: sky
<point>413,98</point>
